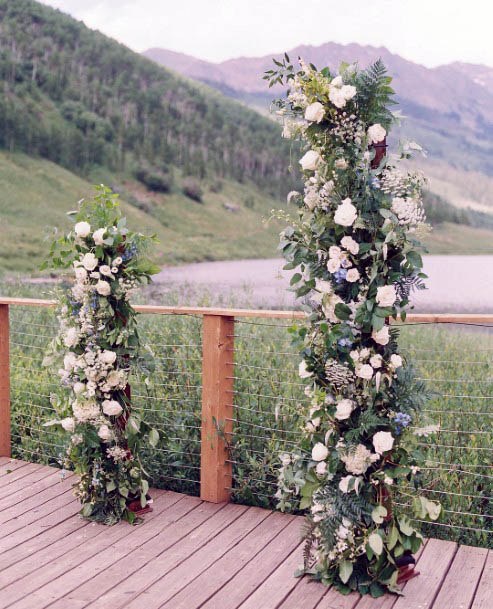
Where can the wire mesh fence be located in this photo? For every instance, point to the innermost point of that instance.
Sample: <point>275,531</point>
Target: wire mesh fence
<point>269,404</point>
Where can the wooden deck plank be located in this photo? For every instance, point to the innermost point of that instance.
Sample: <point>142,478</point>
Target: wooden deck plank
<point>483,598</point>
<point>307,594</point>
<point>18,475</point>
<point>49,489</point>
<point>193,564</point>
<point>8,465</point>
<point>433,566</point>
<point>278,585</point>
<point>156,562</point>
<point>257,570</point>
<point>122,571</point>
<point>205,585</point>
<point>53,580</point>
<point>459,586</point>
<point>29,491</point>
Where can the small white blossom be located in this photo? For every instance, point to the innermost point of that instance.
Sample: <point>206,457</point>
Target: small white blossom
<point>82,229</point>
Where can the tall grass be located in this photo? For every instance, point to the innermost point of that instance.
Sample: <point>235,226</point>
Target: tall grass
<point>269,404</point>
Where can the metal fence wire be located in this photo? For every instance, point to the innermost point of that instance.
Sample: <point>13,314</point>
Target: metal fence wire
<point>455,362</point>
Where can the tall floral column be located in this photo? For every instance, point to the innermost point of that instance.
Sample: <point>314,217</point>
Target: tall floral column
<point>99,343</point>
<point>355,246</point>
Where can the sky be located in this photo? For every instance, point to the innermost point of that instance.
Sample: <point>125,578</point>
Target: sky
<point>430,32</point>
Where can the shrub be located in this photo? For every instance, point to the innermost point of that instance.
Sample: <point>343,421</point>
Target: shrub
<point>192,189</point>
<point>154,179</point>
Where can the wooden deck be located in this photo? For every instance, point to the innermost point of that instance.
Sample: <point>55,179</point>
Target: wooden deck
<point>189,554</point>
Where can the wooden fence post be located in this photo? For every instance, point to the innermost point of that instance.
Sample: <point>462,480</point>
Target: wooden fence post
<point>217,407</point>
<point>4,382</point>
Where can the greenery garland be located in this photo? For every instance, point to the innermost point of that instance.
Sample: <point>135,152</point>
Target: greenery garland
<point>355,243</point>
<point>99,342</point>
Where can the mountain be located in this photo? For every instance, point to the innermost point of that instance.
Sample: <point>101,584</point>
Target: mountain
<point>449,108</point>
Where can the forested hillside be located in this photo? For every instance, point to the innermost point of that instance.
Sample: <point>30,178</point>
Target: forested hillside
<point>80,99</point>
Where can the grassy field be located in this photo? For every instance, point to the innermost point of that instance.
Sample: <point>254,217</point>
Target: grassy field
<point>454,360</point>
<point>35,195</point>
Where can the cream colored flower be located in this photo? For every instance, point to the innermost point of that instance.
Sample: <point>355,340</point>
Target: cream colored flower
<point>98,236</point>
<point>381,337</point>
<point>333,265</point>
<point>82,229</point>
<point>103,288</point>
<point>302,370</point>
<point>105,433</point>
<point>68,424</point>
<point>89,261</point>
<point>376,133</point>
<point>314,112</point>
<point>319,452</point>
<point>383,441</point>
<point>344,409</point>
<point>364,372</point>
<point>376,361</point>
<point>386,295</point>
<point>350,245</point>
<point>352,275</point>
<point>310,161</point>
<point>346,213</point>
<point>395,361</point>
<point>112,408</point>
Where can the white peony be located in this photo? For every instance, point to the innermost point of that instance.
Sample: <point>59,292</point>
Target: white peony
<point>108,357</point>
<point>376,361</point>
<point>104,269</point>
<point>337,97</point>
<point>344,409</point>
<point>364,372</point>
<point>89,261</point>
<point>386,295</point>
<point>381,337</point>
<point>310,160</point>
<point>335,251</point>
<point>383,441</point>
<point>82,229</point>
<point>376,133</point>
<point>80,274</point>
<point>333,265</point>
<point>68,424</point>
<point>103,288</point>
<point>314,112</point>
<point>71,337</point>
<point>348,92</point>
<point>112,408</point>
<point>395,361</point>
<point>320,452</point>
<point>346,213</point>
<point>303,372</point>
<point>105,433</point>
<point>350,245</point>
<point>98,236</point>
<point>340,164</point>
<point>321,468</point>
<point>352,275</point>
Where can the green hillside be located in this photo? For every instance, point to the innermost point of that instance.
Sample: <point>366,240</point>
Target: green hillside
<point>80,99</point>
<point>35,195</point>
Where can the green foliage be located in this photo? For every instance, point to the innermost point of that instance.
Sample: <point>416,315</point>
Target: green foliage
<point>155,180</point>
<point>192,189</point>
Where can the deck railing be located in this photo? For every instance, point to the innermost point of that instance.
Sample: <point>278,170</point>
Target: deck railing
<point>230,407</point>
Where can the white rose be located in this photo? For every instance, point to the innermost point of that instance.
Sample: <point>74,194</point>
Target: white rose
<point>354,355</point>
<point>381,337</point>
<point>303,372</point>
<point>336,97</point>
<point>352,275</point>
<point>350,245</point>
<point>321,468</point>
<point>95,275</point>
<point>314,112</point>
<point>105,433</point>
<point>112,408</point>
<point>364,372</point>
<point>344,409</point>
<point>105,270</point>
<point>71,337</point>
<point>337,81</point>
<point>335,252</point>
<point>310,161</point>
<point>364,353</point>
<point>346,213</point>
<point>333,265</point>
<point>311,199</point>
<point>98,236</point>
<point>103,288</point>
<point>82,229</point>
<point>117,261</point>
<point>319,452</point>
<point>376,133</point>
<point>325,287</point>
<point>395,361</point>
<point>79,388</point>
<point>114,379</point>
<point>348,92</point>
<point>383,441</point>
<point>68,424</point>
<point>386,295</point>
<point>89,261</point>
<point>376,361</point>
<point>80,274</point>
<point>108,357</point>
<point>340,164</point>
